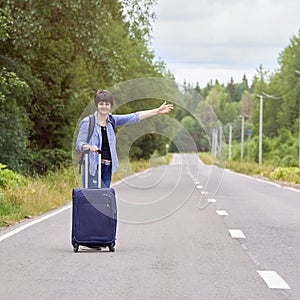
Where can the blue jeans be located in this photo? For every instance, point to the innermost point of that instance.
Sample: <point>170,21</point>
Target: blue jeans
<point>106,176</point>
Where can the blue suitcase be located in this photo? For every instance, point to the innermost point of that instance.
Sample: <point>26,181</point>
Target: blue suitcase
<point>94,216</point>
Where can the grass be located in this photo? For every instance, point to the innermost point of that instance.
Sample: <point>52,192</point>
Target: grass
<point>38,195</point>
<point>206,158</point>
<point>249,168</point>
<point>271,172</point>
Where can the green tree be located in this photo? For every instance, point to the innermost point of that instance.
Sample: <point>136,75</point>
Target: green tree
<point>247,103</point>
<point>231,90</point>
<point>289,85</point>
<point>218,98</point>
<point>259,86</point>
<point>240,88</point>
<point>14,123</point>
<point>64,51</point>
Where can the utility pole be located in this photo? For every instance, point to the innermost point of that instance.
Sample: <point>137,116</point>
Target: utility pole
<point>220,141</point>
<point>297,74</point>
<point>249,137</point>
<point>242,136</point>
<point>214,139</point>
<point>243,117</point>
<point>261,97</point>
<point>230,141</point>
<point>260,128</point>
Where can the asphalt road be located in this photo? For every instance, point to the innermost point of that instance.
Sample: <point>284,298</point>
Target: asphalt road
<point>174,241</point>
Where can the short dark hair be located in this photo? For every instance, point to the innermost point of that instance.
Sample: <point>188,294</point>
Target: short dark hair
<point>104,95</point>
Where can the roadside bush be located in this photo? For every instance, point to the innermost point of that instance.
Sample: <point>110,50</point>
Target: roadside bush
<point>284,149</point>
<point>47,160</point>
<point>289,160</point>
<point>38,195</point>
<point>291,174</point>
<point>10,178</point>
<point>281,151</point>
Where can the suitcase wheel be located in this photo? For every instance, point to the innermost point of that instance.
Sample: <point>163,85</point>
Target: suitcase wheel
<point>112,247</point>
<point>75,247</point>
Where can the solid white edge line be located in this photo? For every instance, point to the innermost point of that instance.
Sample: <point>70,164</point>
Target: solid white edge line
<point>273,280</point>
<point>56,212</point>
<point>31,223</point>
<point>50,215</point>
<point>292,189</point>
<point>264,181</point>
<point>253,178</point>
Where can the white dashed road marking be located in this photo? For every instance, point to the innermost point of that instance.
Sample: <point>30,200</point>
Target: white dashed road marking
<point>236,234</point>
<point>273,280</point>
<point>221,212</point>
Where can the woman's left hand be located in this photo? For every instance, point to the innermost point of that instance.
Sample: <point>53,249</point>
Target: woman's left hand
<point>165,108</point>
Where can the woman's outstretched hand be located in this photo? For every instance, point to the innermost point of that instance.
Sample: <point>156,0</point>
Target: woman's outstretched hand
<point>165,108</point>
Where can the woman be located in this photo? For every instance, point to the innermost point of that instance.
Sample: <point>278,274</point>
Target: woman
<point>103,137</point>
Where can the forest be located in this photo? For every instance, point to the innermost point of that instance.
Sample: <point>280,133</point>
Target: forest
<point>233,102</point>
<point>54,56</point>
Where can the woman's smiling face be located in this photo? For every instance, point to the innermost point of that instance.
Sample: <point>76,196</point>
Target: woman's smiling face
<point>104,107</point>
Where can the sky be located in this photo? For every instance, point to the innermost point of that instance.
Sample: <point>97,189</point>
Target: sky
<point>203,40</point>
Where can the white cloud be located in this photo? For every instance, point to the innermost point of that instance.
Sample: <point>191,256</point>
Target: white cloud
<point>230,35</point>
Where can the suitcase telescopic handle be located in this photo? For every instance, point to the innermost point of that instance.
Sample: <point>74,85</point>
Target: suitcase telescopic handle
<point>99,169</point>
<point>86,168</point>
